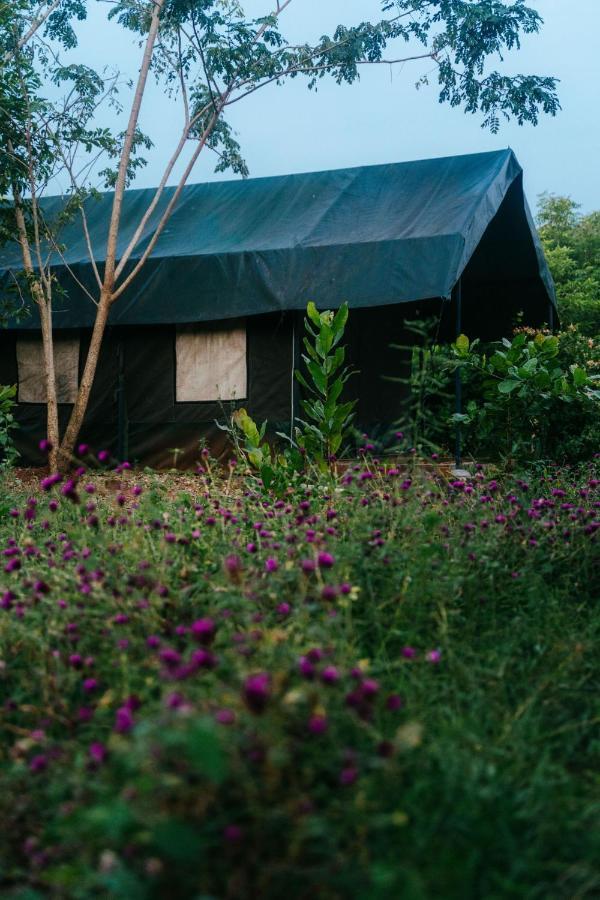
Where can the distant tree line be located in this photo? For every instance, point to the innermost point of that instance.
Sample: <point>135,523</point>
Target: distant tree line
<point>572,245</point>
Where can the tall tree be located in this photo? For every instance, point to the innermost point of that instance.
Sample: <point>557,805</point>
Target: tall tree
<point>572,245</point>
<point>212,55</point>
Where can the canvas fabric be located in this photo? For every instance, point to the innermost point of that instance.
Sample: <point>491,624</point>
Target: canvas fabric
<point>31,380</point>
<point>371,236</point>
<point>210,364</point>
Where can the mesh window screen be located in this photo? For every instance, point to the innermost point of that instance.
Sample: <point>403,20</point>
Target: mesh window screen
<point>211,364</point>
<point>30,365</point>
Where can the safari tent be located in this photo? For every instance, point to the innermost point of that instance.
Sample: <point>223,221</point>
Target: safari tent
<point>214,319</point>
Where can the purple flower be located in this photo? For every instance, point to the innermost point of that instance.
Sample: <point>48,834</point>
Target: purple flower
<point>394,702</point>
<point>330,675</point>
<point>38,763</point>
<point>348,775</point>
<point>47,483</point>
<point>233,566</point>
<point>318,724</point>
<point>408,652</point>
<point>257,690</point>
<point>123,720</point>
<point>174,700</point>
<point>307,669</point>
<point>90,684</point>
<point>225,716</point>
<point>434,656</point>
<point>103,456</point>
<point>271,565</point>
<point>204,659</point>
<point>203,631</point>
<point>233,834</point>
<point>170,657</point>
<point>45,445</point>
<point>97,753</point>
<point>325,560</point>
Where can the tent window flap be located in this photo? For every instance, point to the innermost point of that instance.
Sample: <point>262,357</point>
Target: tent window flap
<point>211,364</point>
<point>31,373</point>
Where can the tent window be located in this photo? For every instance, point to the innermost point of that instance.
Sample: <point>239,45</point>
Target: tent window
<point>211,364</point>
<point>30,367</point>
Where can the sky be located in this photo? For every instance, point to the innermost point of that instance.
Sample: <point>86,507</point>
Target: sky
<point>384,118</point>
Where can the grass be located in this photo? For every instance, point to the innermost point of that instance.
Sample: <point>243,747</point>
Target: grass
<point>383,687</point>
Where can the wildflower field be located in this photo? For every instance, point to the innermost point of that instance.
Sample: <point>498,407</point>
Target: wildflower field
<point>379,685</point>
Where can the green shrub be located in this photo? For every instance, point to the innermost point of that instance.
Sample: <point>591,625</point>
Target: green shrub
<point>8,451</point>
<point>533,397</point>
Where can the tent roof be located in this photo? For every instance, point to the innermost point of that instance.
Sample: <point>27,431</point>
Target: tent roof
<point>372,235</point>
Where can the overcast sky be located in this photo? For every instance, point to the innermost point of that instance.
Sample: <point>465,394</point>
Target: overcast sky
<point>384,118</point>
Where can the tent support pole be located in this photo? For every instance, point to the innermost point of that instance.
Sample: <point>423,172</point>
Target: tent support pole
<point>551,317</point>
<point>294,387</point>
<point>458,376</point>
<point>122,439</point>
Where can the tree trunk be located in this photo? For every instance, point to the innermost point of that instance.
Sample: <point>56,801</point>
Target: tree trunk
<point>52,428</point>
<point>85,388</point>
<point>44,305</point>
<point>106,295</point>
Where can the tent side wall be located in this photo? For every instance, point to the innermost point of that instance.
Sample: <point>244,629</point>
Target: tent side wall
<point>134,411</point>
<point>142,362</point>
<point>500,282</point>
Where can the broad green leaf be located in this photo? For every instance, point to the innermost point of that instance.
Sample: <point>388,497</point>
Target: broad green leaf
<point>313,315</point>
<point>507,387</point>
<point>339,323</point>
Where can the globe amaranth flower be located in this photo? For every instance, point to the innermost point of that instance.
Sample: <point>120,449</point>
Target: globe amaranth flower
<point>97,752</point>
<point>225,716</point>
<point>330,675</point>
<point>318,724</point>
<point>203,631</point>
<point>325,560</point>
<point>394,702</point>
<point>348,775</point>
<point>257,690</point>
<point>123,720</point>
<point>38,763</point>
<point>233,834</point>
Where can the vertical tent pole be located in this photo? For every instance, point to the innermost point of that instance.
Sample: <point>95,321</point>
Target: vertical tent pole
<point>458,376</point>
<point>293,380</point>
<point>297,328</point>
<point>551,316</point>
<point>122,441</point>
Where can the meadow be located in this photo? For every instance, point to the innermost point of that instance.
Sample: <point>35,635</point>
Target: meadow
<point>382,684</point>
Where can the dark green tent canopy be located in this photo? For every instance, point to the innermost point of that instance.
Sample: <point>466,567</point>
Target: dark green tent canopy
<point>372,236</point>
